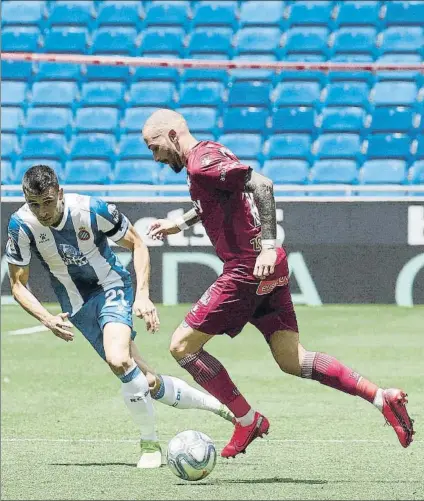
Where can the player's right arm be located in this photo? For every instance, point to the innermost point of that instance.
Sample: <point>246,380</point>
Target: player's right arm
<point>162,227</point>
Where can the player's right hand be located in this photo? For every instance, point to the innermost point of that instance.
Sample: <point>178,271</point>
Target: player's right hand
<point>60,326</point>
<point>162,227</point>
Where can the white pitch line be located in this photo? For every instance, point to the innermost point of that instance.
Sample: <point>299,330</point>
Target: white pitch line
<point>28,330</point>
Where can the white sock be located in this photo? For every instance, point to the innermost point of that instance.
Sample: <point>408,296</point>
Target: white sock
<point>135,390</point>
<point>247,419</point>
<point>378,400</point>
<point>177,393</point>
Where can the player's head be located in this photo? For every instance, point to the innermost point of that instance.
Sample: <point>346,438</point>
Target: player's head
<point>165,132</point>
<point>43,194</point>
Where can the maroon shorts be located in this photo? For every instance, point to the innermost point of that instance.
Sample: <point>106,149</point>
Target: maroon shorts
<point>236,298</point>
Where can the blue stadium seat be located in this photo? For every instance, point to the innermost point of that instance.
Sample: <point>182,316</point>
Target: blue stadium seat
<point>114,40</point>
<point>124,12</point>
<point>416,172</point>
<point>87,172</point>
<point>170,74</point>
<point>72,12</point>
<point>199,119</point>
<point>54,94</point>
<point>49,119</point>
<point>24,39</point>
<point>163,40</point>
<point>357,12</point>
<point>265,13</point>
<point>404,12</point>
<point>297,94</point>
<point>286,171</point>
<point>103,94</point>
<point>354,40</point>
<point>169,177</point>
<point>346,119</point>
<point>394,93</point>
<point>258,40</point>
<point>13,93</point>
<point>419,142</point>
<point>388,146</point>
<point>246,146</point>
<point>337,146</point>
<point>135,117</point>
<point>347,94</point>
<point>250,94</point>
<point>48,146</point>
<point>310,12</point>
<point>402,40</point>
<point>334,172</point>
<point>11,119</point>
<point>15,70</point>
<point>288,146</point>
<point>205,136</point>
<point>73,40</point>
<point>57,71</point>
<point>171,12</point>
<point>401,74</point>
<point>9,146</point>
<point>136,172</point>
<point>152,94</point>
<point>309,40</point>
<point>133,146</point>
<point>396,119</point>
<point>253,74</point>
<point>386,172</point>
<point>96,120</point>
<point>97,72</point>
<point>99,146</point>
<point>245,120</point>
<point>201,94</point>
<point>21,166</point>
<point>299,119</point>
<point>210,40</point>
<point>215,13</point>
<point>23,12</point>
<point>7,174</point>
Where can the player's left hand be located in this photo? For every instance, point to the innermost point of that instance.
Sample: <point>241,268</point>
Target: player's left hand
<point>265,263</point>
<point>145,309</point>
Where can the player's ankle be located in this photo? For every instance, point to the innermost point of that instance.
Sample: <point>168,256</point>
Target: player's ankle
<point>247,419</point>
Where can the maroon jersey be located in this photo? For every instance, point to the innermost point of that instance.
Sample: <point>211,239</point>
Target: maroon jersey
<point>216,180</point>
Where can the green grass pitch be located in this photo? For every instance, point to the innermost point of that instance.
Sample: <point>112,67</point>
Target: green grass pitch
<point>66,433</point>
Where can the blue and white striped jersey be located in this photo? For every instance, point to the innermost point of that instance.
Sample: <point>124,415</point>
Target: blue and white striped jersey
<point>76,253</point>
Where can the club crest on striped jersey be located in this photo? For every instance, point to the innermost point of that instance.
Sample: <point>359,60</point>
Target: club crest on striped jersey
<point>71,255</point>
<point>83,233</point>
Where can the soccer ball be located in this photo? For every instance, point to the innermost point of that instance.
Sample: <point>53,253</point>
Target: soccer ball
<point>191,455</point>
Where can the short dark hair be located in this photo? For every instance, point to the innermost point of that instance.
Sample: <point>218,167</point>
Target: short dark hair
<point>38,179</point>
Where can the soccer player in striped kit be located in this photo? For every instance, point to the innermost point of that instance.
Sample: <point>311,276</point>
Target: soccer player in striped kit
<point>69,234</point>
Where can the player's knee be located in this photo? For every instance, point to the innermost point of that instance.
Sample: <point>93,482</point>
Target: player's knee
<point>178,349</point>
<point>118,363</point>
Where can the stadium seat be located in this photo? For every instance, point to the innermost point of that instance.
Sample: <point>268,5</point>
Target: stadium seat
<point>245,120</point>
<point>205,136</point>
<point>416,173</point>
<point>396,119</point>
<point>199,119</point>
<point>215,13</point>
<point>297,94</point>
<point>402,40</point>
<point>299,119</point>
<point>250,94</point>
<point>13,93</point>
<point>404,12</point>
<point>386,172</point>
<point>246,146</point>
<point>347,94</point>
<point>7,174</point>
<point>48,146</point>
<point>357,12</point>
<point>337,146</point>
<point>171,12</point>
<point>96,120</point>
<point>201,94</point>
<point>11,119</point>
<point>163,40</point>
<point>133,146</point>
<point>266,13</point>
<point>114,40</point>
<point>388,146</point>
<point>136,172</point>
<point>168,177</point>
<point>49,119</point>
<point>253,74</point>
<point>310,12</point>
<point>98,72</point>
<point>394,93</point>
<point>87,172</point>
<point>124,12</point>
<point>286,171</point>
<point>57,71</point>
<point>23,12</point>
<point>9,146</point>
<point>21,166</point>
<point>68,40</point>
<point>334,172</point>
<point>354,40</point>
<point>135,117</point>
<point>257,40</point>
<point>346,119</point>
<point>72,13</point>
<point>24,39</point>
<point>210,41</point>
<point>55,94</point>
<point>419,147</point>
<point>288,146</point>
<point>152,94</point>
<point>98,146</point>
<point>103,94</point>
<point>15,70</point>
<point>170,74</point>
<point>310,40</point>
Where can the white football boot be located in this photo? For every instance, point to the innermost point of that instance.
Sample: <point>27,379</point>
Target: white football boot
<point>151,454</point>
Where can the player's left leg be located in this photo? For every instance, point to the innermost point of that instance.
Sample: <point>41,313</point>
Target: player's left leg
<point>175,392</point>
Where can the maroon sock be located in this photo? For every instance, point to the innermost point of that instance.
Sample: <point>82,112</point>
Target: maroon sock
<point>211,375</point>
<point>329,371</point>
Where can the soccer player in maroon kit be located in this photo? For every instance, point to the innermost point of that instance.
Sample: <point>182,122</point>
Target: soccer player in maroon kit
<point>237,209</point>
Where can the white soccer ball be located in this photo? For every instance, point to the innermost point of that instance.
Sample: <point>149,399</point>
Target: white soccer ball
<point>191,455</point>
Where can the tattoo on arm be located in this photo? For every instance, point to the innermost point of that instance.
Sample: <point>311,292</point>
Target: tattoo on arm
<point>262,189</point>
<point>191,217</point>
